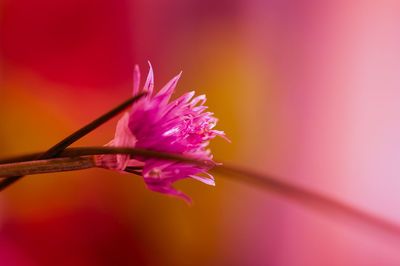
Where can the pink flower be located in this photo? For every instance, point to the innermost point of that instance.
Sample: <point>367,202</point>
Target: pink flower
<point>180,127</point>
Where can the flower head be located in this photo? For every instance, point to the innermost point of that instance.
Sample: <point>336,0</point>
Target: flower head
<point>154,123</point>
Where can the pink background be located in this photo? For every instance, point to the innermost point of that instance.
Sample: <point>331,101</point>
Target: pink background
<point>307,90</point>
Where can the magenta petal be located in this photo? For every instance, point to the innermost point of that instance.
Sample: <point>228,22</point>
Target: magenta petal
<point>123,138</point>
<point>168,89</point>
<point>149,85</point>
<point>136,80</point>
<point>169,190</point>
<point>181,127</point>
<point>205,180</point>
<point>183,99</point>
<point>180,101</point>
<point>197,99</point>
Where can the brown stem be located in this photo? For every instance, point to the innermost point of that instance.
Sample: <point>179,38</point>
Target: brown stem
<point>46,166</point>
<point>84,151</point>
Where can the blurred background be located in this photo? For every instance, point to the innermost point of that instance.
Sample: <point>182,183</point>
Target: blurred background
<point>306,90</point>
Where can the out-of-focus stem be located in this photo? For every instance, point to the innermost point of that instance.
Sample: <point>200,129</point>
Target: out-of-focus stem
<point>46,166</point>
<point>312,199</point>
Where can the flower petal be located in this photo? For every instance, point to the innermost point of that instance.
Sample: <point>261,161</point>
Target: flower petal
<point>166,92</point>
<point>203,179</point>
<point>181,127</point>
<point>136,80</point>
<point>123,138</point>
<point>169,190</point>
<point>149,85</point>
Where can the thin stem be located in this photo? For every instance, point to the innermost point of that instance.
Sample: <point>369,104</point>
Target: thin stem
<point>133,171</point>
<point>53,151</point>
<point>134,168</point>
<point>84,151</point>
<point>59,147</point>
<point>311,199</point>
<point>46,166</point>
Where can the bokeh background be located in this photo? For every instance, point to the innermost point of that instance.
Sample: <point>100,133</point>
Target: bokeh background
<point>307,90</point>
